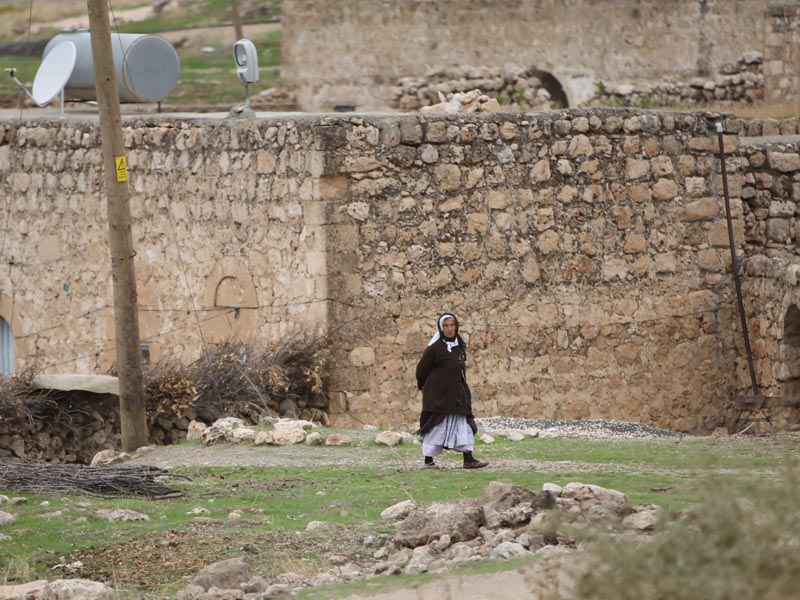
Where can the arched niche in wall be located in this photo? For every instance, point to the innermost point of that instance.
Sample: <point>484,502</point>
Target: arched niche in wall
<point>790,379</point>
<point>231,303</point>
<point>150,312</point>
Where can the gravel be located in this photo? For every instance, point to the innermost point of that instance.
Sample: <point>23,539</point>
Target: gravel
<point>576,429</point>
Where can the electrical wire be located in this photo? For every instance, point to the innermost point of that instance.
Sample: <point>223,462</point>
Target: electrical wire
<point>166,200</point>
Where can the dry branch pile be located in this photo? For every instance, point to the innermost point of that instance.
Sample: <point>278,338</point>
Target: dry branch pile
<point>238,379</point>
<point>104,482</point>
<point>20,401</point>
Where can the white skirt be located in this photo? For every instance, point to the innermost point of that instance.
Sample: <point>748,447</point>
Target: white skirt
<point>453,433</point>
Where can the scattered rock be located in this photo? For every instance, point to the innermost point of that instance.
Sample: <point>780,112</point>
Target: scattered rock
<point>552,488</point>
<point>314,439</point>
<point>508,550</point>
<point>294,424</point>
<point>421,559</point>
<point>461,520</point>
<point>7,518</point>
<point>255,585</point>
<point>220,429</point>
<point>338,439</point>
<point>283,436</point>
<point>76,589</point>
<point>316,526</point>
<point>511,505</point>
<point>196,430</point>
<point>597,502</point>
<point>23,591</point>
<point>645,518</point>
<point>120,514</point>
<point>388,438</point>
<point>226,574</point>
<point>399,511</point>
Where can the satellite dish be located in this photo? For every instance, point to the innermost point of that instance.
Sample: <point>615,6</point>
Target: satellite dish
<point>53,73</point>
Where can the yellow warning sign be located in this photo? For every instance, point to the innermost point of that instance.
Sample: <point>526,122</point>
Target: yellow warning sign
<point>122,168</point>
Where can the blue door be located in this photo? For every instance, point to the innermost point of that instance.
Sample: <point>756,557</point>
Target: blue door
<point>6,348</point>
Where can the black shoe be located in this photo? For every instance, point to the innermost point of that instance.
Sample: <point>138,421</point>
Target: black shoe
<point>475,464</point>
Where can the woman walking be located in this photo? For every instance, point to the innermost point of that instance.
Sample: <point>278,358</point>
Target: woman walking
<point>446,420</point>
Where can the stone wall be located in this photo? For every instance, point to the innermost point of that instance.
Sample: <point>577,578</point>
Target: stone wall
<point>782,53</point>
<point>585,252</point>
<point>770,196</point>
<point>229,244</point>
<point>353,52</point>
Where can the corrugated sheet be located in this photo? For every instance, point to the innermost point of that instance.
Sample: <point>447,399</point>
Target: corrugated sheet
<point>6,348</point>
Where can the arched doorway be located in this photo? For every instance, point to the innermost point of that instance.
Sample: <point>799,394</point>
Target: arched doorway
<point>7,358</point>
<point>553,86</point>
<point>791,355</point>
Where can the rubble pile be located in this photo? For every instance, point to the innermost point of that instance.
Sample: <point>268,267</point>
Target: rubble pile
<point>511,87</point>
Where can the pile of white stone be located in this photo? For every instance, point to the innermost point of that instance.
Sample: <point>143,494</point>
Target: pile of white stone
<point>517,429</point>
<point>742,82</point>
<point>514,87</point>
<point>284,432</point>
<point>462,102</point>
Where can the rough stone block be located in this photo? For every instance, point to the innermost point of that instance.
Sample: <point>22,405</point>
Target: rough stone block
<point>699,210</point>
<point>635,243</point>
<point>785,162</point>
<point>779,230</point>
<point>665,189</point>
<point>637,168</point>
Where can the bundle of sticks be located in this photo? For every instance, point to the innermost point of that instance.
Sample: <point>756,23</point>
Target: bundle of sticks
<point>103,482</point>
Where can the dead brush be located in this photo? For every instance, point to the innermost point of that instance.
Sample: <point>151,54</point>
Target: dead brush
<point>243,380</point>
<point>19,401</point>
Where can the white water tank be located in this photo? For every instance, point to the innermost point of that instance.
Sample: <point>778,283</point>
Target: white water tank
<point>147,66</point>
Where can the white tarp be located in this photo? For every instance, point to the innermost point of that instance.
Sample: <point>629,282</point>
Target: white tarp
<point>99,384</point>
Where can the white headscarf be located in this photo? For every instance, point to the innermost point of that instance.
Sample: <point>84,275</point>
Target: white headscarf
<point>440,334</point>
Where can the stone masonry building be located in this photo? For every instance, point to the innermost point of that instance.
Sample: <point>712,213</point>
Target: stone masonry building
<point>351,53</point>
<point>586,252</point>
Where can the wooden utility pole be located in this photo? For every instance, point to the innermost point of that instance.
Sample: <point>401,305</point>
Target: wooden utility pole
<point>133,417</point>
<point>237,20</point>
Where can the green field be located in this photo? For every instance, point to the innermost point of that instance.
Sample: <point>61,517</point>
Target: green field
<point>347,488</point>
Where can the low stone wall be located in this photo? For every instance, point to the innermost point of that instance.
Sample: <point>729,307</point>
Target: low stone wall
<point>734,84</point>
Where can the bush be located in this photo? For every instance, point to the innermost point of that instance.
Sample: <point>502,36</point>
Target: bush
<point>740,543</point>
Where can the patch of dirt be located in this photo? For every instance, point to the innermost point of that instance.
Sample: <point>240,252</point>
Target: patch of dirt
<point>181,553</point>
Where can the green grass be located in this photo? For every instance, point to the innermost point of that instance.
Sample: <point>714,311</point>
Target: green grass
<point>204,79</point>
<point>673,474</point>
<point>206,12</point>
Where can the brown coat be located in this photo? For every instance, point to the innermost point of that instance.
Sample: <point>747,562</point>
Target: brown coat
<point>441,375</point>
